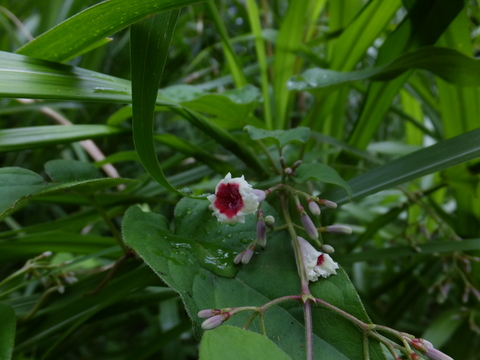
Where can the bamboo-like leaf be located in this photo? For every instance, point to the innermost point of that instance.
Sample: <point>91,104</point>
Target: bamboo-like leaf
<point>100,20</point>
<point>435,158</point>
<point>7,329</point>
<point>446,63</point>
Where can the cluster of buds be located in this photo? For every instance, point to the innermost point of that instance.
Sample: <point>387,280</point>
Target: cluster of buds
<point>215,317</point>
<point>289,170</point>
<point>426,348</point>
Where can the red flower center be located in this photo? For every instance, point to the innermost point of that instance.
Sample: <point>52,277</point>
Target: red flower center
<point>320,260</point>
<point>229,201</point>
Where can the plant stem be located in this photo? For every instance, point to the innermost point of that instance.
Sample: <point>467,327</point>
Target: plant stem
<point>307,312</point>
<point>116,234</point>
<point>296,246</point>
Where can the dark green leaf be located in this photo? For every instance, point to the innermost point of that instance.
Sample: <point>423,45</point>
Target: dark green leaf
<point>70,170</point>
<point>228,342</point>
<point>281,137</point>
<point>32,137</point>
<point>437,157</point>
<point>8,324</point>
<point>320,172</point>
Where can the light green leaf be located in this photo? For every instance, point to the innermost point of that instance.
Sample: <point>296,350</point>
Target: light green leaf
<point>281,137</point>
<point>8,324</point>
<point>320,172</point>
<point>101,20</point>
<point>37,136</point>
<point>228,342</point>
<point>447,63</point>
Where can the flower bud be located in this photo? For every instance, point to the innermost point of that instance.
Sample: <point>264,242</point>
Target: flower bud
<point>314,208</point>
<point>338,229</point>
<point>261,233</point>
<point>247,256</point>
<point>239,257</point>
<point>329,204</point>
<point>415,357</point>
<point>433,353</point>
<point>205,314</point>
<point>297,164</point>
<point>309,226</point>
<point>260,194</point>
<point>215,321</point>
<point>270,221</point>
<point>328,249</point>
<point>288,171</point>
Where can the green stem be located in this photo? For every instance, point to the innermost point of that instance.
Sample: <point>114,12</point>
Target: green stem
<point>296,245</point>
<point>116,234</point>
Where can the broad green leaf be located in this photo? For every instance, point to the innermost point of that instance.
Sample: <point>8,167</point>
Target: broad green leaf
<point>37,136</point>
<point>70,170</point>
<point>228,342</point>
<point>270,274</point>
<point>281,137</point>
<point>320,172</point>
<point>230,108</point>
<point>101,20</point>
<point>8,324</point>
<point>449,64</point>
<point>434,158</point>
<point>19,185</point>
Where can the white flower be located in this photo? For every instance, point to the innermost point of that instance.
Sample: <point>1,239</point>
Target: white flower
<point>233,199</point>
<point>316,263</point>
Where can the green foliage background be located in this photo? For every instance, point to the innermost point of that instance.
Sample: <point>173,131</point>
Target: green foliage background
<point>390,92</point>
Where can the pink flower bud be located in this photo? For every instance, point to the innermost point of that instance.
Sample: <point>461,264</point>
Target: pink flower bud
<point>314,208</point>
<point>205,314</point>
<point>433,353</point>
<point>260,194</point>
<point>338,229</point>
<point>213,322</point>
<point>297,164</point>
<point>309,226</point>
<point>270,221</point>
<point>329,204</point>
<point>247,256</point>
<point>239,257</point>
<point>261,233</point>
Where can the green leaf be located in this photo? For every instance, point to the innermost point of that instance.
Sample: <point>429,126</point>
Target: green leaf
<point>8,324</point>
<point>228,342</point>
<point>149,39</point>
<point>37,136</point>
<point>270,274</point>
<point>101,20</point>
<point>18,186</point>
<point>230,108</point>
<point>70,170</point>
<point>434,158</point>
<point>289,36</point>
<point>449,64</point>
<point>320,172</point>
<point>398,251</point>
<point>26,77</point>
<point>281,137</point>
<point>422,26</point>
